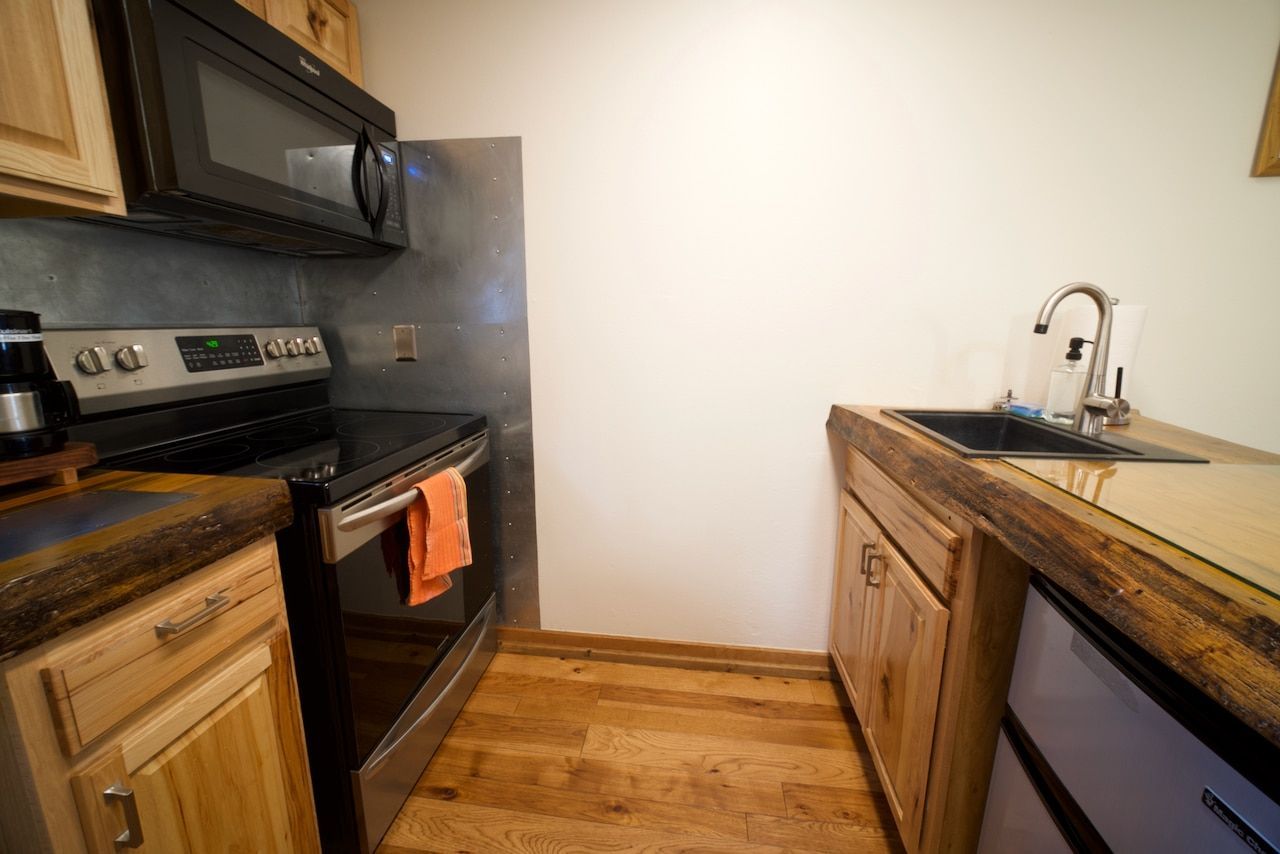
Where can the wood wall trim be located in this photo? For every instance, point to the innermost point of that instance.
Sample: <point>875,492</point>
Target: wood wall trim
<point>758,661</point>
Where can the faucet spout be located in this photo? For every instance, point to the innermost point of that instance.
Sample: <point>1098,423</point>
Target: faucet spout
<point>1096,404</point>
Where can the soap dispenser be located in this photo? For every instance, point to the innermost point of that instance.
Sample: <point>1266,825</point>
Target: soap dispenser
<point>1066,385</point>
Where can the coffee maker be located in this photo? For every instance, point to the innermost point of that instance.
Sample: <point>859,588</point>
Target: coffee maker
<point>35,408</point>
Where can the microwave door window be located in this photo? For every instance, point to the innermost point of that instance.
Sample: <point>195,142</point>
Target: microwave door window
<point>275,142</point>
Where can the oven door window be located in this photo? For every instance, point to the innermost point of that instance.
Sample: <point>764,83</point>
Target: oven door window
<point>391,647</point>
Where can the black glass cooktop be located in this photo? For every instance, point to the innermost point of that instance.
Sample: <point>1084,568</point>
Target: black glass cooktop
<point>335,450</point>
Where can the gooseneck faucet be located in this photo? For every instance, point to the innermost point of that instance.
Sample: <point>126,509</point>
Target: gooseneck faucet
<point>1095,406</point>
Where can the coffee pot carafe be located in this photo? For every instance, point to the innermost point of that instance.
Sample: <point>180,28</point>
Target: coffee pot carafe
<point>35,408</point>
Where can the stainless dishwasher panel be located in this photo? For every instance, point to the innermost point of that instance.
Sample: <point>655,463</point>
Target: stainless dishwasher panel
<point>1016,819</point>
<point>1146,783</point>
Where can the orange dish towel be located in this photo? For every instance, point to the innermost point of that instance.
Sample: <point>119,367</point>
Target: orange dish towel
<point>439,541</point>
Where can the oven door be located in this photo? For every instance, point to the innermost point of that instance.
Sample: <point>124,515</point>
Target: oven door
<point>240,131</point>
<point>392,648</point>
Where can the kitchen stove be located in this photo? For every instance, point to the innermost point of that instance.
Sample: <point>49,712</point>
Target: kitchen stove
<point>379,682</point>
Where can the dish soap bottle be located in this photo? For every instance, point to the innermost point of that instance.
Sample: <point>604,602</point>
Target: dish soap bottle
<point>1066,385</point>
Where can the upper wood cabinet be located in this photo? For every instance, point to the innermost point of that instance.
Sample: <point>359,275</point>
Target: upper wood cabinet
<point>328,28</point>
<point>57,153</point>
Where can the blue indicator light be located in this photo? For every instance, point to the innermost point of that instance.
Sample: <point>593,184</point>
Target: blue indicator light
<point>388,158</point>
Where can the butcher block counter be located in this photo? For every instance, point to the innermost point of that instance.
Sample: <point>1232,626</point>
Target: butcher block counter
<point>198,520</point>
<point>1184,559</point>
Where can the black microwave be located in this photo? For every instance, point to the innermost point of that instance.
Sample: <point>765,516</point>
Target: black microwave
<point>228,131</point>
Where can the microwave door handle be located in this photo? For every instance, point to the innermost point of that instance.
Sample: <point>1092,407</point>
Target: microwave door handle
<point>381,214</point>
<point>357,173</point>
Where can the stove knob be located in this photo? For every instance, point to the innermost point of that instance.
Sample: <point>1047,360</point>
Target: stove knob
<point>294,346</point>
<point>274,348</point>
<point>132,358</point>
<point>309,347</point>
<point>316,345</point>
<point>93,361</point>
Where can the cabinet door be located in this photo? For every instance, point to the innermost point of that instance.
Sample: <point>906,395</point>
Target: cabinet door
<point>851,634</point>
<point>328,28</point>
<point>905,675</point>
<point>220,768</point>
<point>57,154</point>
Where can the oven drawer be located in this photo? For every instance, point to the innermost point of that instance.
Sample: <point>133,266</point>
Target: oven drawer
<point>123,661</point>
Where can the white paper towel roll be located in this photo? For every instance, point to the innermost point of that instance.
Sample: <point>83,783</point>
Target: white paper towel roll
<point>1126,333</point>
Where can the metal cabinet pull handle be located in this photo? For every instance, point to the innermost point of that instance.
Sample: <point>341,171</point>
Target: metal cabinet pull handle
<point>132,835</point>
<point>212,605</point>
<point>862,560</point>
<point>872,581</point>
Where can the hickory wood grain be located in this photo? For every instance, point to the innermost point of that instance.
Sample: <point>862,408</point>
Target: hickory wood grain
<point>689,765</point>
<point>45,593</point>
<point>1215,631</point>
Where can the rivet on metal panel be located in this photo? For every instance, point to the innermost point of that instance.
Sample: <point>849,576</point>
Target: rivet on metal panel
<point>459,328</point>
<point>497,252</point>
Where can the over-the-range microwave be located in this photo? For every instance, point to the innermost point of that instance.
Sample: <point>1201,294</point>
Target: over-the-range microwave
<point>229,131</point>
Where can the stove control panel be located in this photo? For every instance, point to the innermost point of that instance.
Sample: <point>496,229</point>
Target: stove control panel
<point>118,369</point>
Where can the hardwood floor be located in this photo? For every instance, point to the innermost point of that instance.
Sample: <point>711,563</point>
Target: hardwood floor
<point>558,755</point>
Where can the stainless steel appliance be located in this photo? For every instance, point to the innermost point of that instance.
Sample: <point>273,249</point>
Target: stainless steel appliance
<point>35,409</point>
<point>380,682</point>
<point>229,131</point>
<point>1104,749</point>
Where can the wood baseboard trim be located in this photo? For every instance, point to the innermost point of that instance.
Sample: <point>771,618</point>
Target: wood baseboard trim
<point>757,661</point>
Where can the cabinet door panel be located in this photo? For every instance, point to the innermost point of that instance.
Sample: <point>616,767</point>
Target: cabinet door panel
<point>55,135</point>
<point>903,686</point>
<point>850,635</point>
<point>327,28</point>
<point>218,769</point>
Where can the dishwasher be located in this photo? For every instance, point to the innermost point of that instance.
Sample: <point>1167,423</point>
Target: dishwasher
<point>1103,748</point>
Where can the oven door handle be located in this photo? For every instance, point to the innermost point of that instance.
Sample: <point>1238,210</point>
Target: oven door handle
<point>392,506</point>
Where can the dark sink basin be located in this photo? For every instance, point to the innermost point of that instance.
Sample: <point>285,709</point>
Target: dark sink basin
<point>987,433</point>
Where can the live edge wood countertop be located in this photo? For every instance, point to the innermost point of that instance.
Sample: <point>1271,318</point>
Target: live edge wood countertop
<point>1217,632</point>
<point>47,592</point>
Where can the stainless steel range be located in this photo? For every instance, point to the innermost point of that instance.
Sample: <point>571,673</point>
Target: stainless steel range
<point>380,682</point>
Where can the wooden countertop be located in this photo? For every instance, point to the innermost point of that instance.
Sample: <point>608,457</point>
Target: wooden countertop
<point>1213,629</point>
<point>47,592</point>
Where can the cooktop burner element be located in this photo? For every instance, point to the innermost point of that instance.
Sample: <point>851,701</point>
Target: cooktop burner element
<point>315,449</point>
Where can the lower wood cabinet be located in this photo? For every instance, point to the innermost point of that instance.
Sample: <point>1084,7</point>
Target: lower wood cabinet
<point>214,763</point>
<point>924,620</point>
<point>905,674</point>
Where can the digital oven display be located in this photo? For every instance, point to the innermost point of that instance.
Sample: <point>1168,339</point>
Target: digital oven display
<point>218,352</point>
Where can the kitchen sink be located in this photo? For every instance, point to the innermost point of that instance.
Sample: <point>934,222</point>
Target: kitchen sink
<point>989,433</point>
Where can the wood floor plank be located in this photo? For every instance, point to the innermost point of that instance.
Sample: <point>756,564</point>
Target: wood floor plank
<point>438,826</point>
<point>826,693</point>
<point>494,704</point>
<point>650,676</point>
<point>667,816</point>
<point>831,803</point>
<point>561,738</point>
<point>529,685</point>
<point>697,788</point>
<point>714,705</point>
<point>733,758</point>
<point>828,836</point>
<point>835,738</point>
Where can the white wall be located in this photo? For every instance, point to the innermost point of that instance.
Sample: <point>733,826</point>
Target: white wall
<point>742,211</point>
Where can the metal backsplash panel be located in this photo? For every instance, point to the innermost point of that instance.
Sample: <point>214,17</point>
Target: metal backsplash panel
<point>77,274</point>
<point>461,286</point>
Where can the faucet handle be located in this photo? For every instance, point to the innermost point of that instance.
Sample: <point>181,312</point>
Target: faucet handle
<point>1114,409</point>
